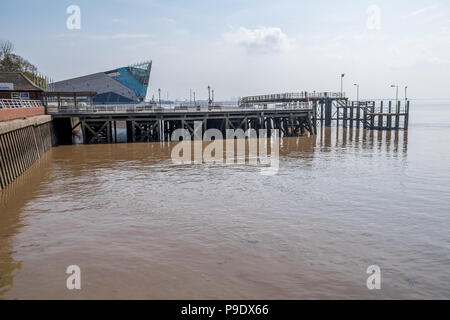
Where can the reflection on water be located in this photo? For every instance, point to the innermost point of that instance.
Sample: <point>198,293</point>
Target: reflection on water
<point>11,205</point>
<point>140,226</point>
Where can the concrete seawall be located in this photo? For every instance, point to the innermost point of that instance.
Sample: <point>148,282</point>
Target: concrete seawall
<point>22,142</point>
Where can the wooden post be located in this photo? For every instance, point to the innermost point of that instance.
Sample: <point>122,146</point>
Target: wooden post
<point>380,117</point>
<point>321,113</point>
<point>389,118</point>
<point>351,115</point>
<point>108,131</point>
<point>328,112</point>
<point>358,114</point>
<point>115,131</point>
<point>314,128</point>
<point>83,131</point>
<point>397,116</point>
<point>405,126</point>
<point>365,118</point>
<point>372,117</point>
<point>337,116</point>
<point>345,117</point>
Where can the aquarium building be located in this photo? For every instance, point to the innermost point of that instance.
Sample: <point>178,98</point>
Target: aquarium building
<point>122,85</point>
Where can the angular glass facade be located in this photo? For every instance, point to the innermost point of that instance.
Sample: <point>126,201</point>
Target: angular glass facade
<point>135,77</point>
<point>122,85</point>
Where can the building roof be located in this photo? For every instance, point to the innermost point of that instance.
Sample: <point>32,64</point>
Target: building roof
<point>69,93</point>
<point>122,84</point>
<point>20,82</point>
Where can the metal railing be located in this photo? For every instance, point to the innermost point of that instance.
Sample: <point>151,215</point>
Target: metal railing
<point>292,96</point>
<point>19,103</point>
<point>174,108</point>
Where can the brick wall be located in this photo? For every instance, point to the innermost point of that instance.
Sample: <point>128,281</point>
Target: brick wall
<point>20,113</point>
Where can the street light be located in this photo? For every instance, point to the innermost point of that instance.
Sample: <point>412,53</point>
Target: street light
<point>159,95</point>
<point>406,96</point>
<point>209,95</point>
<point>396,95</point>
<point>357,92</point>
<point>342,81</point>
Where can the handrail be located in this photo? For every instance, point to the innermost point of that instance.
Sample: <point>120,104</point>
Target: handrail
<point>180,108</point>
<point>292,96</point>
<point>19,103</point>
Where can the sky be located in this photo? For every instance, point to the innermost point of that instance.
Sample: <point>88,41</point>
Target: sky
<point>242,47</point>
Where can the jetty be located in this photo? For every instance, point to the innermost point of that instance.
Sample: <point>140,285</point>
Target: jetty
<point>58,116</point>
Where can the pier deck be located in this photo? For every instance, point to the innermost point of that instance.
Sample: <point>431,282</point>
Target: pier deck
<point>147,123</point>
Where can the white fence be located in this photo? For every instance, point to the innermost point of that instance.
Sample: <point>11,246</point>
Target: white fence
<point>19,103</point>
<point>292,96</point>
<point>174,108</point>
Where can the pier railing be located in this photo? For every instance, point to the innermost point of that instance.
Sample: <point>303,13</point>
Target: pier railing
<point>293,96</point>
<point>19,103</point>
<point>152,108</point>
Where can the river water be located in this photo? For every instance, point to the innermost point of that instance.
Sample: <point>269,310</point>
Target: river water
<point>140,226</point>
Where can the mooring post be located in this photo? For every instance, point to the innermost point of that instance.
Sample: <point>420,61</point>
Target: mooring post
<point>406,116</point>
<point>358,114</point>
<point>115,131</point>
<point>345,117</point>
<point>314,128</point>
<point>83,131</point>
<point>389,119</point>
<point>321,113</point>
<point>351,114</point>
<point>108,131</point>
<point>380,117</point>
<point>328,112</point>
<point>372,116</point>
<point>397,116</point>
<point>365,118</point>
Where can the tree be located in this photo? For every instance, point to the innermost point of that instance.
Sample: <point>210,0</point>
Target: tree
<point>6,47</point>
<point>10,62</point>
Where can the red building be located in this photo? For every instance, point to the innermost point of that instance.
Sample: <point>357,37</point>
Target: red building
<point>14,85</point>
<point>19,97</point>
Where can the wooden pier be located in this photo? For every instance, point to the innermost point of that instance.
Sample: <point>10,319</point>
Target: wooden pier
<point>99,124</point>
<point>293,114</point>
<point>373,116</point>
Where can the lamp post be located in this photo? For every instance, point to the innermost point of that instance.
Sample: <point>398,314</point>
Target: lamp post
<point>209,95</point>
<point>159,95</point>
<point>396,94</point>
<point>357,92</point>
<point>194,97</point>
<point>342,82</point>
<point>406,96</point>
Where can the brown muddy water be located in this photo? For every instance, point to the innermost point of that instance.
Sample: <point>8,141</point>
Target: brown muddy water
<point>140,226</point>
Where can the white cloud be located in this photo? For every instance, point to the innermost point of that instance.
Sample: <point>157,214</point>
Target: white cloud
<point>261,40</point>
